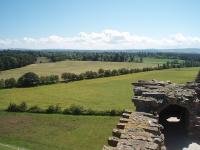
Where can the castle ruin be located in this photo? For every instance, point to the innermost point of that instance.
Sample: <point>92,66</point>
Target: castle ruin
<point>161,107</point>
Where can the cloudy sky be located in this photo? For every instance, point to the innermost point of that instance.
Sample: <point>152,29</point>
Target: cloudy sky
<point>99,24</point>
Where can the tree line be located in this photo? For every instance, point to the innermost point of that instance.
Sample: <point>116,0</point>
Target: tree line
<point>16,59</point>
<point>10,59</point>
<point>31,79</point>
<point>56,109</point>
<point>115,56</point>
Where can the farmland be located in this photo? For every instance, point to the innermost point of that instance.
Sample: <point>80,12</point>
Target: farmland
<point>56,131</point>
<point>58,68</point>
<point>98,94</point>
<point>50,132</point>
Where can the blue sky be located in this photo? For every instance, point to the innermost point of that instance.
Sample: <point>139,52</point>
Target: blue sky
<point>66,20</point>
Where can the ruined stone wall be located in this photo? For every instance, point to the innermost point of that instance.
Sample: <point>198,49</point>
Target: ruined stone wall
<point>141,130</point>
<point>153,96</point>
<point>136,131</point>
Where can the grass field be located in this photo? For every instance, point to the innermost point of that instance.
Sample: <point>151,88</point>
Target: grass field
<point>55,132</point>
<point>65,132</point>
<point>76,67</point>
<point>98,94</point>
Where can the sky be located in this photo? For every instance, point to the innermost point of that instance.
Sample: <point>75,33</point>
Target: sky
<point>99,24</point>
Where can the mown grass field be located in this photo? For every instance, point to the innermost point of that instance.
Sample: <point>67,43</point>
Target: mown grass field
<point>55,132</point>
<point>98,94</point>
<point>58,68</point>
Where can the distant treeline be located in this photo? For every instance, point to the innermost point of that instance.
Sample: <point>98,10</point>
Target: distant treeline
<point>115,56</point>
<point>14,58</point>
<point>31,79</point>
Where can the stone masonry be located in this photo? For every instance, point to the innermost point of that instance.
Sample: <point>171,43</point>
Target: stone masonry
<point>136,131</point>
<point>141,130</point>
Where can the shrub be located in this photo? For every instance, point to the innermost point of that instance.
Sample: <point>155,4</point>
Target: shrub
<point>81,76</point>
<point>54,78</point>
<point>12,107</point>
<point>123,71</point>
<point>114,72</point>
<point>113,112</point>
<point>17,108</point>
<point>76,110</point>
<point>2,84</point>
<point>49,79</point>
<point>101,72</point>
<point>69,76</point>
<point>90,75</point>
<point>28,80</point>
<point>22,107</point>
<point>67,111</point>
<point>10,83</point>
<point>53,109</point>
<point>107,73</point>
<point>35,109</point>
<point>91,112</point>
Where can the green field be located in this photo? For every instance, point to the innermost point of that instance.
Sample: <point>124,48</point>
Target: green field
<point>66,132</point>
<point>98,94</point>
<point>55,132</point>
<point>58,68</point>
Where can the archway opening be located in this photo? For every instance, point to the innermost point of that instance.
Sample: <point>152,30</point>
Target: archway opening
<point>175,120</point>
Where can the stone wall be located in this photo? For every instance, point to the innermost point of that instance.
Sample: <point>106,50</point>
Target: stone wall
<point>136,131</point>
<point>153,96</point>
<point>141,130</point>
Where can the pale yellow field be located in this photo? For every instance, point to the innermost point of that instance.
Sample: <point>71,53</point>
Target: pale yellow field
<point>58,68</point>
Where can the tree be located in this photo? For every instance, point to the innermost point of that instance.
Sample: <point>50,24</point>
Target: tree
<point>115,72</point>
<point>2,84</point>
<point>107,73</point>
<point>10,83</point>
<point>101,72</point>
<point>141,60</point>
<point>28,80</point>
<point>69,76</point>
<point>123,71</point>
<point>90,74</point>
<point>54,78</point>
<point>198,77</point>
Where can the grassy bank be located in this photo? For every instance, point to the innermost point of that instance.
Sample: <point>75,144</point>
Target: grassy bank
<point>55,132</point>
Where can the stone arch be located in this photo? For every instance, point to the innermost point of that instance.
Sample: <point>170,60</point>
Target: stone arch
<point>179,115</point>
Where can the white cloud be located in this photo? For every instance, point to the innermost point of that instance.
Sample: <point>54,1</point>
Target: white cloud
<point>107,39</point>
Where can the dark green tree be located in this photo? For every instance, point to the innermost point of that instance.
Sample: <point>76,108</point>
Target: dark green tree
<point>28,80</point>
<point>10,83</point>
<point>2,84</point>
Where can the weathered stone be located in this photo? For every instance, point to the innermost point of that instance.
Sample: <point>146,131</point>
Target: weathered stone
<point>112,141</point>
<point>126,115</point>
<point>123,120</point>
<point>121,125</point>
<point>117,132</point>
<point>141,130</point>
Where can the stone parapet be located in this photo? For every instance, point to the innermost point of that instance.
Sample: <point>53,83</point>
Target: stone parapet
<point>136,131</point>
